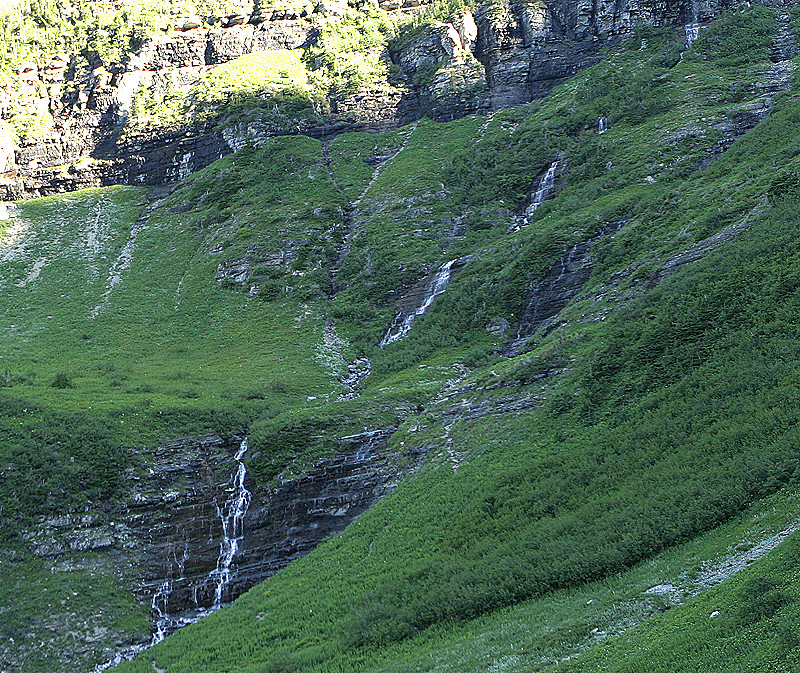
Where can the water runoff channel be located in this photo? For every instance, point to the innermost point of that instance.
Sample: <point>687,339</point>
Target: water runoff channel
<point>231,515</point>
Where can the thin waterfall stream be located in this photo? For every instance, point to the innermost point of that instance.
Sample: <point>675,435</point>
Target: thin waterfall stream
<point>231,515</point>
<point>401,325</point>
<point>544,191</point>
<point>692,28</point>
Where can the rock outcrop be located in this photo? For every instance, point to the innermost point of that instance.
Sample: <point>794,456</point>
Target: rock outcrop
<point>282,523</point>
<point>167,536</point>
<point>563,282</point>
<point>508,54</point>
<point>502,55</point>
<point>87,108</point>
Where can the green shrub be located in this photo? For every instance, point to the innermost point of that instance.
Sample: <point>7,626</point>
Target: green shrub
<point>62,380</point>
<point>760,599</point>
<point>346,53</point>
<point>738,39</point>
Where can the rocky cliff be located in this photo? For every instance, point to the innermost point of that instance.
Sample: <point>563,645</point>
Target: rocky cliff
<point>88,107</point>
<point>476,62</point>
<point>165,541</point>
<point>508,54</point>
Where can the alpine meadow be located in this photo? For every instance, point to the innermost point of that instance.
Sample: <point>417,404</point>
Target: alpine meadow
<point>397,336</point>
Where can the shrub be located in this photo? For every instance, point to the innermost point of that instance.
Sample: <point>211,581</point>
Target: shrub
<point>62,380</point>
<point>760,599</point>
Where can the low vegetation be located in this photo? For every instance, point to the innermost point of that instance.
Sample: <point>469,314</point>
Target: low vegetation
<point>104,30</point>
<point>653,426</point>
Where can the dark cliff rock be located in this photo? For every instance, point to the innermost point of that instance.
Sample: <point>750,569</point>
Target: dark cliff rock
<point>563,282</point>
<point>166,538</point>
<point>84,147</point>
<point>181,542</point>
<point>504,54</point>
<point>508,54</point>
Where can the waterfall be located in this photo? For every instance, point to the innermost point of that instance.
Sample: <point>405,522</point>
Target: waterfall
<point>693,27</point>
<point>692,32</point>
<point>401,325</point>
<point>602,125</point>
<point>231,516</point>
<point>543,191</point>
<point>159,606</point>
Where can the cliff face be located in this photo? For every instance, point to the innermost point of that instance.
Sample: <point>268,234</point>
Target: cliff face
<point>508,55</point>
<point>475,63</point>
<point>89,107</point>
<point>168,538</point>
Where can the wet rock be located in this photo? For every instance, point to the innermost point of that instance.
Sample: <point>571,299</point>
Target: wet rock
<point>170,529</point>
<point>563,281</point>
<point>418,299</point>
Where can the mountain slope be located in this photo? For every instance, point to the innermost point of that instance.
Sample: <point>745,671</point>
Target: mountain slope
<point>590,388</point>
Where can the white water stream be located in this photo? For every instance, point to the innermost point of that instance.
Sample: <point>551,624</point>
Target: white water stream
<point>231,515</point>
<point>544,190</point>
<point>401,325</point>
<point>693,27</point>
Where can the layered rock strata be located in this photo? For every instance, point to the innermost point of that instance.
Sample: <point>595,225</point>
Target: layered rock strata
<point>167,536</point>
<point>500,55</point>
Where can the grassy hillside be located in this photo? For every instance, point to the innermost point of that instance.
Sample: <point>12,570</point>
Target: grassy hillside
<point>651,427</point>
<point>747,624</point>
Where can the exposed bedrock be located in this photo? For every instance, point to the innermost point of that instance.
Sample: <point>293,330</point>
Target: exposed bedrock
<point>170,529</point>
<point>506,55</point>
<point>500,55</point>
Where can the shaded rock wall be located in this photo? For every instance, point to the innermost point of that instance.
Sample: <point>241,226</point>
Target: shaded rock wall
<point>170,526</point>
<point>502,55</point>
<point>88,108</point>
<point>563,282</point>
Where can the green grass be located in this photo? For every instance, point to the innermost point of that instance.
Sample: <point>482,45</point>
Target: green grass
<point>76,597</point>
<point>355,156</point>
<point>272,85</point>
<point>676,412</point>
<point>754,627</point>
<point>663,415</point>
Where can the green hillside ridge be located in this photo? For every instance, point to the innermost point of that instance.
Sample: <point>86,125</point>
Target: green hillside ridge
<point>656,419</point>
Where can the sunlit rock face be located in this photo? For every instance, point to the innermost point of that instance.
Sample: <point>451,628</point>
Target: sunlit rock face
<point>476,62</point>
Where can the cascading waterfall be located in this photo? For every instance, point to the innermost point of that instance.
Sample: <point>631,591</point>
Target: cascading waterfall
<point>401,325</point>
<point>602,125</point>
<point>231,515</point>
<point>159,606</point>
<point>543,191</point>
<point>693,27</point>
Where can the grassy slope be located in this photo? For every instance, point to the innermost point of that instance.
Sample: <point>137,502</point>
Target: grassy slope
<point>677,409</point>
<point>660,444</point>
<point>754,628</point>
<point>171,352</point>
